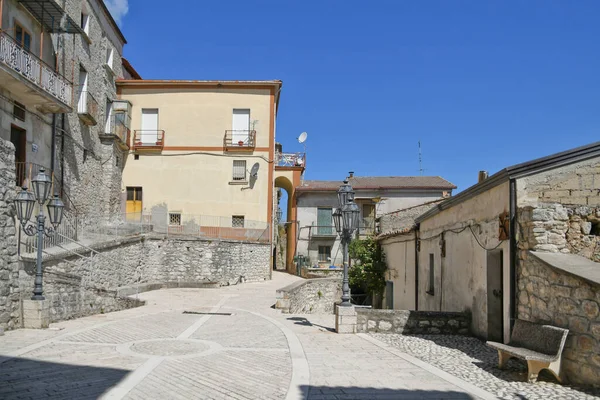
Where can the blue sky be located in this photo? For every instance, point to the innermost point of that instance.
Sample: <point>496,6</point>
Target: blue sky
<point>482,84</point>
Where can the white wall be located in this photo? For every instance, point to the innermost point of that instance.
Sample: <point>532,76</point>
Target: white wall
<point>400,258</point>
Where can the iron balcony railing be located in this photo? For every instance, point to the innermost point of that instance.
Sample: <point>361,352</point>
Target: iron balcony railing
<point>34,69</point>
<point>87,107</point>
<point>290,159</point>
<point>148,140</point>
<point>116,127</point>
<point>239,139</point>
<point>322,231</point>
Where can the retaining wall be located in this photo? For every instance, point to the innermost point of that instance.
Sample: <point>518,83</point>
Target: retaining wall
<point>413,322</point>
<point>310,296</point>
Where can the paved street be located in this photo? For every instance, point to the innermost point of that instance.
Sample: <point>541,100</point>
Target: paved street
<point>225,343</point>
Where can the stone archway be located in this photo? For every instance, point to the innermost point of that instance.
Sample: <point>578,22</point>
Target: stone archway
<point>288,180</point>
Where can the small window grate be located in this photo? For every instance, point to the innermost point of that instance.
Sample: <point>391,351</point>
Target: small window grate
<point>237,221</point>
<point>19,111</point>
<point>239,170</point>
<point>174,218</point>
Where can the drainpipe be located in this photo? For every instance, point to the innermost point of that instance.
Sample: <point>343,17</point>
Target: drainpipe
<point>513,251</point>
<point>53,146</point>
<point>62,155</point>
<point>417,249</point>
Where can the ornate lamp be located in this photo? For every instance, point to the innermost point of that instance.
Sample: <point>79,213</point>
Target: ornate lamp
<point>55,210</point>
<point>41,185</point>
<point>24,203</point>
<point>337,220</point>
<point>345,193</point>
<point>350,216</point>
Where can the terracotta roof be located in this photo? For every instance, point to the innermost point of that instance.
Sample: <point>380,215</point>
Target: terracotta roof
<point>381,182</point>
<point>403,220</point>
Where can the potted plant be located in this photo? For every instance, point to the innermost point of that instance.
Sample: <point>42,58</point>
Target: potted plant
<point>241,143</point>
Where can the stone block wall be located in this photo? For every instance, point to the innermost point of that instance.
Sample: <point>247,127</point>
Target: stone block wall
<point>310,296</point>
<point>551,296</point>
<point>9,266</point>
<point>310,273</point>
<point>413,322</point>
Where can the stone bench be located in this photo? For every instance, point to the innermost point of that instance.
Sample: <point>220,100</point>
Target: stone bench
<point>540,345</point>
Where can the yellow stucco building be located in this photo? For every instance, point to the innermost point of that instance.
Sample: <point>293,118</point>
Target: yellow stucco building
<point>202,154</point>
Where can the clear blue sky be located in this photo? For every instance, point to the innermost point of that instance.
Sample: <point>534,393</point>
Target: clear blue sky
<point>482,84</point>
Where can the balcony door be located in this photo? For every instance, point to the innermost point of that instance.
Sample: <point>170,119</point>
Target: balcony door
<point>149,126</point>
<point>18,137</point>
<point>324,221</point>
<point>83,87</point>
<point>240,126</point>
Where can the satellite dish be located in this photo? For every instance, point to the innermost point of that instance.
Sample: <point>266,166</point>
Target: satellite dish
<point>254,170</point>
<point>302,137</point>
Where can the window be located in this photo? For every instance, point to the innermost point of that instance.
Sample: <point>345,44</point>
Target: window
<point>108,113</point>
<point>109,56</point>
<point>324,221</point>
<point>85,22</point>
<point>324,253</point>
<point>239,170</point>
<point>19,111</point>
<point>430,286</point>
<point>22,37</point>
<point>175,218</point>
<point>237,221</point>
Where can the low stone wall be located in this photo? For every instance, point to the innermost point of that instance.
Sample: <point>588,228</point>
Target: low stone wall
<point>310,296</point>
<point>92,282</point>
<point>310,273</point>
<point>413,322</point>
<point>550,296</point>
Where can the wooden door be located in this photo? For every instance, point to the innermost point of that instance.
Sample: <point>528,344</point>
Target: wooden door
<point>133,206</point>
<point>495,296</point>
<point>18,137</point>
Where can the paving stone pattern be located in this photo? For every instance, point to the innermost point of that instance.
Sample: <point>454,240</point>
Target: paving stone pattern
<point>159,352</point>
<point>471,360</point>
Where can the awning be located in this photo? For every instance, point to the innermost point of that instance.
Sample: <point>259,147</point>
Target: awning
<point>50,15</point>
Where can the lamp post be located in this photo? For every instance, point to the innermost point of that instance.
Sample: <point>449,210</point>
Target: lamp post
<point>346,219</point>
<point>24,203</point>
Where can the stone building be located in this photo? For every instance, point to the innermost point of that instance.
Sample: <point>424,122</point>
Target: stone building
<point>519,244</point>
<point>316,201</point>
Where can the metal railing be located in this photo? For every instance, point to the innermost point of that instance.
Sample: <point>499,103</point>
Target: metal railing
<point>148,139</point>
<point>322,230</point>
<point>88,105</point>
<point>34,69</point>
<point>290,159</point>
<point>118,128</point>
<point>239,139</point>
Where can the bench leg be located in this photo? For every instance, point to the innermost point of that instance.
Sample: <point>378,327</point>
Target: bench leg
<point>533,369</point>
<point>502,359</point>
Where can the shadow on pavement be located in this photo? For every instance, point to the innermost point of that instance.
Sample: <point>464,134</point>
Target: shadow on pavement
<point>305,322</point>
<point>367,393</point>
<point>22,378</point>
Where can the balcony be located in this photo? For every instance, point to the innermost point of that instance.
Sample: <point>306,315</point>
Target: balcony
<point>145,140</point>
<point>117,130</point>
<point>290,160</point>
<point>32,82</point>
<point>322,232</point>
<point>87,108</point>
<point>239,140</point>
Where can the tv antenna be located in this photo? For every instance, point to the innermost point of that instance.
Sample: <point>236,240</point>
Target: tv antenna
<point>421,170</point>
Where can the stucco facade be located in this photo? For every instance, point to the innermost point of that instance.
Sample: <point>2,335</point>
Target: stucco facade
<point>192,174</point>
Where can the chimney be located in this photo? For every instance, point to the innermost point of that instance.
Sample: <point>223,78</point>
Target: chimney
<point>351,174</point>
<point>483,175</point>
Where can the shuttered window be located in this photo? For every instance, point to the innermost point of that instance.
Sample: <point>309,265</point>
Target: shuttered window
<point>324,221</point>
<point>239,170</point>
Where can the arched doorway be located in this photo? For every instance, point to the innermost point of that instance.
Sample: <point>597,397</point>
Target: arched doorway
<point>288,179</point>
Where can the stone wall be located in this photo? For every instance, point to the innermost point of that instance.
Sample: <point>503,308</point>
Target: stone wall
<point>88,283</point>
<point>310,273</point>
<point>413,322</point>
<point>310,296</point>
<point>551,296</point>
<point>9,266</point>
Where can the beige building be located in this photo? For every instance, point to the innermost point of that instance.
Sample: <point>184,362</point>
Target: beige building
<point>202,154</point>
<point>521,244</point>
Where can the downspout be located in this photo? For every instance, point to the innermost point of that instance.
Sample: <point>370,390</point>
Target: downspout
<point>53,147</point>
<point>417,249</point>
<point>62,155</point>
<point>513,251</point>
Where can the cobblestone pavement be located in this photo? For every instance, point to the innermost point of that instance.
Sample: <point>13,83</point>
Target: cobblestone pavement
<point>225,343</point>
<point>471,360</point>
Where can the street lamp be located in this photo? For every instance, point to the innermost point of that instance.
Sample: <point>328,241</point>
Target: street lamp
<point>24,203</point>
<point>346,219</point>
